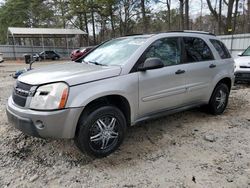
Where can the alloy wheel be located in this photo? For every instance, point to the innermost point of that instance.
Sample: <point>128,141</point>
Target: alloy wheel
<point>104,133</point>
<point>221,99</point>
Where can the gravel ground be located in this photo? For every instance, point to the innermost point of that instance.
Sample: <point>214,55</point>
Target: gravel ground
<point>188,149</point>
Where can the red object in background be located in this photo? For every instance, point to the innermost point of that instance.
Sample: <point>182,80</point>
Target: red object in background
<point>76,54</point>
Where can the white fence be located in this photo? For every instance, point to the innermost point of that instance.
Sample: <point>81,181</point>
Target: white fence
<point>236,43</point>
<point>12,52</point>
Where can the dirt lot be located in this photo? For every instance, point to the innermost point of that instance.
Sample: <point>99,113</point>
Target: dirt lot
<point>188,149</point>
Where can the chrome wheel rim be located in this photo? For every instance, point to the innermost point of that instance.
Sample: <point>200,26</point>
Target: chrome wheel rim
<point>221,99</point>
<point>104,133</point>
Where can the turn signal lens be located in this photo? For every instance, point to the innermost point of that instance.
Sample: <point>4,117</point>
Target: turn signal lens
<point>63,98</point>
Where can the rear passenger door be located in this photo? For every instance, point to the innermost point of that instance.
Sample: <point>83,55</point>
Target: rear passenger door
<point>200,66</point>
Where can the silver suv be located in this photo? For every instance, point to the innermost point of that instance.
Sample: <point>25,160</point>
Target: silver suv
<point>120,83</point>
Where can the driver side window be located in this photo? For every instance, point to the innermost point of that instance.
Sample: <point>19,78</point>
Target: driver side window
<point>167,49</point>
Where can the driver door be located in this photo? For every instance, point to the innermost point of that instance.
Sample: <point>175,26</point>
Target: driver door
<point>163,88</point>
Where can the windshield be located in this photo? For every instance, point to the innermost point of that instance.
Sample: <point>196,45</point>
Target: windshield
<point>115,52</point>
<point>246,52</point>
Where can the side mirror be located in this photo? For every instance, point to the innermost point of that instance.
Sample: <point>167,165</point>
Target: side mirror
<point>151,63</point>
<point>239,54</point>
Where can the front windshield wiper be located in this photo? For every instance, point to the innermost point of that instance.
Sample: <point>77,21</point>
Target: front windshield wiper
<point>96,63</point>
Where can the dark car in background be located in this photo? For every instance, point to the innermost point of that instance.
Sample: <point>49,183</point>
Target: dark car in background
<point>1,58</point>
<point>48,54</point>
<point>76,54</point>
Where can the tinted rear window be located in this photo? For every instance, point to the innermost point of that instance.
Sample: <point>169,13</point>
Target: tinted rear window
<point>221,49</point>
<point>197,50</point>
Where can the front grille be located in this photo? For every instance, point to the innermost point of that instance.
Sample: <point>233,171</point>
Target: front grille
<point>242,75</point>
<point>20,93</point>
<point>245,67</point>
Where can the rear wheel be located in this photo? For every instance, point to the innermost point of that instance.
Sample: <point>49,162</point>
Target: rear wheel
<point>219,99</point>
<point>55,58</point>
<point>101,132</point>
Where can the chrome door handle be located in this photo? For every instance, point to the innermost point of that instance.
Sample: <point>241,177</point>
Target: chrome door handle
<point>180,71</point>
<point>212,66</point>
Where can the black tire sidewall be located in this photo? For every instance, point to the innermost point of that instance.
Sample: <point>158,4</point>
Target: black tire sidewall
<point>212,102</point>
<point>86,122</point>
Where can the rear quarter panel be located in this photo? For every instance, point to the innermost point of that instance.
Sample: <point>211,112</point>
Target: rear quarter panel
<point>225,68</point>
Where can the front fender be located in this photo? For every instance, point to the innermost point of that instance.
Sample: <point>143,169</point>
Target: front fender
<point>125,86</point>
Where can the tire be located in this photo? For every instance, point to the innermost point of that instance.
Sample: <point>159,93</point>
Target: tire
<point>219,99</point>
<point>95,134</point>
<point>55,58</point>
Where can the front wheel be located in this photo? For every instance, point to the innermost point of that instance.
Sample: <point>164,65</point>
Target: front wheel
<point>219,99</point>
<point>101,132</point>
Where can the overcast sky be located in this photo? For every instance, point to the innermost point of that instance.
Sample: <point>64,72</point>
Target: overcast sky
<point>195,6</point>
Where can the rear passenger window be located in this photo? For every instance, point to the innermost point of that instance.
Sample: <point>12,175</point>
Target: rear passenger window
<point>221,49</point>
<point>167,49</point>
<point>196,50</point>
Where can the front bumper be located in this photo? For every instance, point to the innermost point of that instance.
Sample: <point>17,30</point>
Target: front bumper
<point>242,76</point>
<point>45,124</point>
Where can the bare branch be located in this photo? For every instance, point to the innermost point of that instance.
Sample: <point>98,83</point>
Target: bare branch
<point>225,2</point>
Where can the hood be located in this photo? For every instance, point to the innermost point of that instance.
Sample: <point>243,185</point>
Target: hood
<point>243,61</point>
<point>72,73</point>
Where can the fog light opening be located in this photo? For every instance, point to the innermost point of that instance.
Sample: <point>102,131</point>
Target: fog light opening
<point>39,124</point>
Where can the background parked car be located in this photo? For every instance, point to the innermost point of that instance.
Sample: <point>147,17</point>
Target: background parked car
<point>76,54</point>
<point>242,66</point>
<point>1,58</point>
<point>46,55</point>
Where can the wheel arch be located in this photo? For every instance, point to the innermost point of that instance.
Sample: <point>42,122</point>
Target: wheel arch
<point>226,81</point>
<point>116,100</point>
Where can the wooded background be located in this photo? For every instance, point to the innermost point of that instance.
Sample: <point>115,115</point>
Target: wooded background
<point>105,19</point>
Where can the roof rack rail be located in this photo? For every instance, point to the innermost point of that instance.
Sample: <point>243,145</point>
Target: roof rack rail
<point>133,34</point>
<point>192,31</point>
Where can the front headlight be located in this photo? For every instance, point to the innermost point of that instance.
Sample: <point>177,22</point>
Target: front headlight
<point>236,65</point>
<point>50,97</point>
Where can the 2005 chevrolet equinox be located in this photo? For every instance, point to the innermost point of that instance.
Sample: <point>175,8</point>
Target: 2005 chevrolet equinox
<point>120,83</point>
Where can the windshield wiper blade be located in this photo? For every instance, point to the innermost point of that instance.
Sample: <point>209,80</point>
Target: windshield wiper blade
<point>96,63</point>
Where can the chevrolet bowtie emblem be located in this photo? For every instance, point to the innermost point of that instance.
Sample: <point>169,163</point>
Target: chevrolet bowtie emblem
<point>23,92</point>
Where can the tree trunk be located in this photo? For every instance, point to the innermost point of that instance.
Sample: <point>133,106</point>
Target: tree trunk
<point>235,15</point>
<point>93,22</point>
<point>101,33</point>
<point>144,19</point>
<point>181,14</point>
<point>228,25</point>
<point>248,16</point>
<point>229,16</point>
<point>125,28</point>
<point>112,20</point>
<point>186,14</point>
<point>62,13</point>
<point>200,28</point>
<point>121,22</point>
<point>168,2</point>
<point>86,26</point>
<point>219,17</point>
<point>81,27</point>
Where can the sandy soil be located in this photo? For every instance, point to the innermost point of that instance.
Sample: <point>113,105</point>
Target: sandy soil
<point>188,149</point>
